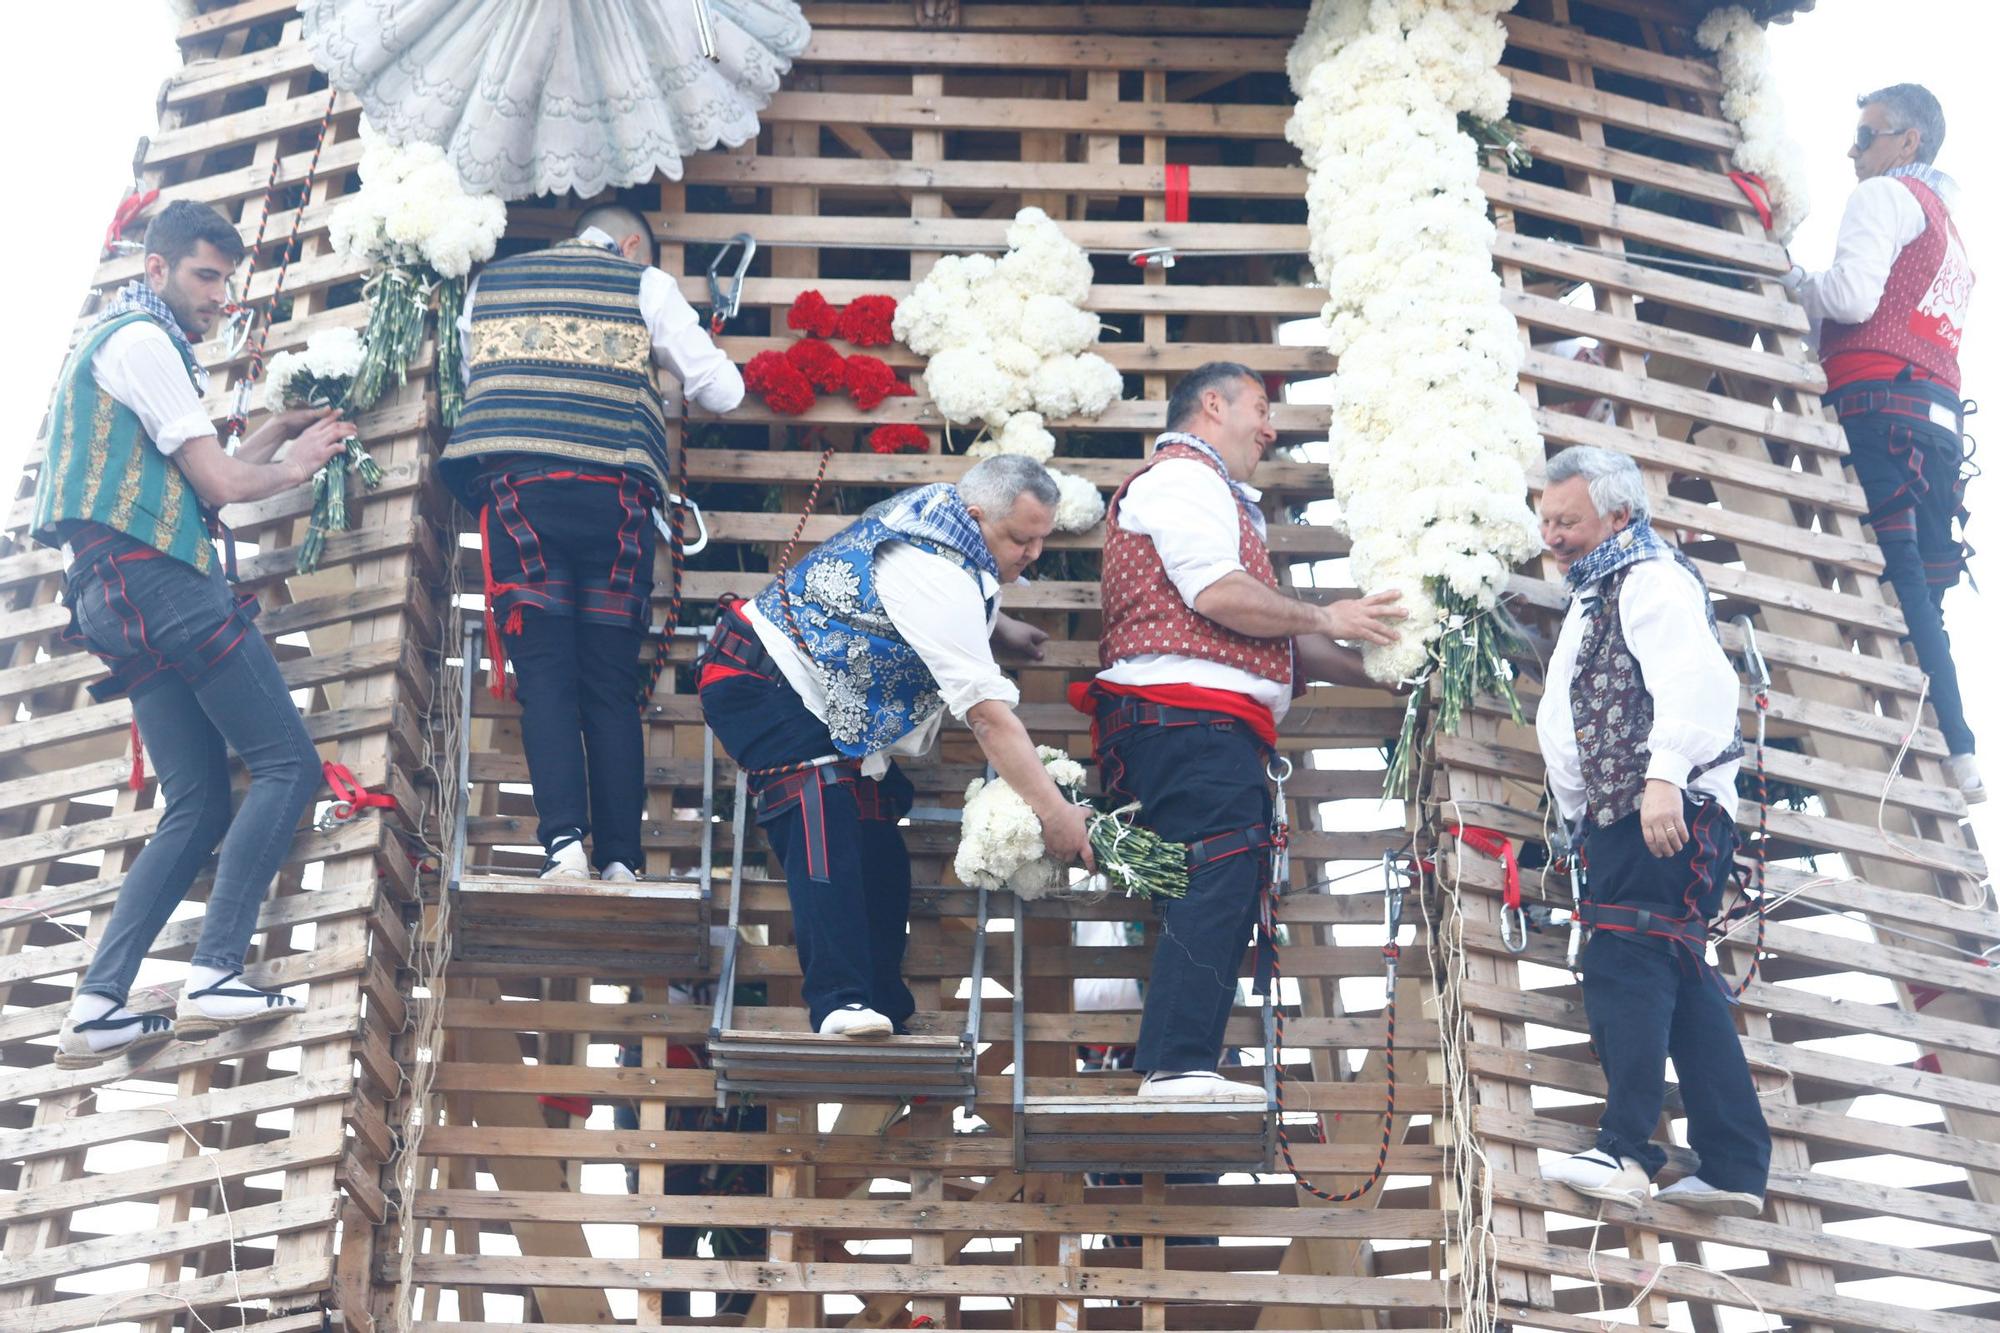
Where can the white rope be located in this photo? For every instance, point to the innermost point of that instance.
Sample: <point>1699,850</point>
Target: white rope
<point>1609,1319</point>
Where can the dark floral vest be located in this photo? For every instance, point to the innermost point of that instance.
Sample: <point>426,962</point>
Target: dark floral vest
<point>1613,711</point>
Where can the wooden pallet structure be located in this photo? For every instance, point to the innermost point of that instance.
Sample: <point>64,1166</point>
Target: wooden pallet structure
<point>428,1147</point>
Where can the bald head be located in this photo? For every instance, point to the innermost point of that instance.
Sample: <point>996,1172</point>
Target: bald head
<point>625,226</point>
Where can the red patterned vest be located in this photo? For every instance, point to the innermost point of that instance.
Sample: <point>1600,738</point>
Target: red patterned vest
<point>1144,612</point>
<point>1921,315</point>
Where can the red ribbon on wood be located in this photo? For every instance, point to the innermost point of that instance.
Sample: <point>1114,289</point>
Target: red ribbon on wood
<point>1758,193</point>
<point>1177,191</point>
<point>128,211</point>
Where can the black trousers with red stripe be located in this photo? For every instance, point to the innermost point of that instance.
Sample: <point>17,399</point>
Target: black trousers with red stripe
<point>1649,998</point>
<point>1193,780</point>
<point>847,869</point>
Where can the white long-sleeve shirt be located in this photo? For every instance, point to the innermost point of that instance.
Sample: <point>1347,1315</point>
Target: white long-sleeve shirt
<point>940,610</point>
<point>1882,216</point>
<point>1189,512</point>
<point>1694,688</point>
<point>141,368</point>
<point>680,343</point>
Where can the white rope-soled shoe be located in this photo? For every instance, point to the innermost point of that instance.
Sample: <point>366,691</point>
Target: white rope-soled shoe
<point>212,1009</point>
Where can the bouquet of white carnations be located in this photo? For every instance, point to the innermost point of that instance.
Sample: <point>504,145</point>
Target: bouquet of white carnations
<point>415,222</point>
<point>1000,843</point>
<point>323,376</point>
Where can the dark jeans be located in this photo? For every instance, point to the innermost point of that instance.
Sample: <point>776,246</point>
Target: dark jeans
<point>1191,782</point>
<point>572,561</point>
<point>1649,998</point>
<point>578,683</point>
<point>207,685</point>
<point>1908,467</point>
<point>851,927</point>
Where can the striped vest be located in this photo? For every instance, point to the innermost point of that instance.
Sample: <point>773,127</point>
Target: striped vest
<point>560,368</point>
<point>100,466</point>
<point>878,689</point>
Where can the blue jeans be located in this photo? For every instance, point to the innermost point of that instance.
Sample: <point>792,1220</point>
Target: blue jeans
<point>203,682</point>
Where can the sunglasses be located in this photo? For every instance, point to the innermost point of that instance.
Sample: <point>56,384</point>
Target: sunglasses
<point>1866,135</point>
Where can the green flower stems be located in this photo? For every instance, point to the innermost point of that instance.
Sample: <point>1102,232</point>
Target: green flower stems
<point>1137,860</point>
<point>398,300</point>
<point>329,511</point>
<point>450,354</point>
<point>1468,657</point>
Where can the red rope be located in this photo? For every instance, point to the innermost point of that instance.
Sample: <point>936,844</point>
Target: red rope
<point>1758,193</point>
<point>261,328</point>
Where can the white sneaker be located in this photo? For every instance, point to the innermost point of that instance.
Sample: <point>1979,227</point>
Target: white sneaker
<point>205,1012</point>
<point>1199,1085</point>
<point>1599,1175</point>
<point>1696,1193</point>
<point>1964,772</point>
<point>618,873</point>
<point>855,1020</point>
<point>566,859</point>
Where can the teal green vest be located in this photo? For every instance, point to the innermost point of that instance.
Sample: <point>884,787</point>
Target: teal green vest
<point>559,369</point>
<point>99,466</point>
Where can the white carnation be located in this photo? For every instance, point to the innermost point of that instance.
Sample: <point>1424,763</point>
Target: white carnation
<point>278,373</point>
<point>334,353</point>
<point>1076,386</point>
<point>1000,839</point>
<point>1750,99</point>
<point>1080,507</point>
<point>1023,434</point>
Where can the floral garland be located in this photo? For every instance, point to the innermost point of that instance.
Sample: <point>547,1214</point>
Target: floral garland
<point>1007,342</point>
<point>1750,100</point>
<point>414,222</point>
<point>1000,843</point>
<point>323,375</point>
<point>1431,439</point>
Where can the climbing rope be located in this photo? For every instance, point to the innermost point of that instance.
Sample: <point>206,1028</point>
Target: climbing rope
<point>259,329</point>
<point>663,638</point>
<point>785,556</point>
<point>1392,952</point>
<point>1761,673</point>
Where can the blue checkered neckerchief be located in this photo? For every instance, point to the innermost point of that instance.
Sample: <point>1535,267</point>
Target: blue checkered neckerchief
<point>1635,542</point>
<point>138,297</point>
<point>935,512</point>
<point>1201,446</point>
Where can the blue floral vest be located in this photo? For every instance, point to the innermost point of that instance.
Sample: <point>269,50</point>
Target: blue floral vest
<point>878,690</point>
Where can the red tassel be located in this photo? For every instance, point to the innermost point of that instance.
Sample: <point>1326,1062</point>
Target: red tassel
<point>138,778</point>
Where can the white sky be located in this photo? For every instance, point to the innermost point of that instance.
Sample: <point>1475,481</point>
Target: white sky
<point>78,85</point>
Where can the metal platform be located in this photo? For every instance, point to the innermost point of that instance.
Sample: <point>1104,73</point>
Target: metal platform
<point>1118,1133</point>
<point>804,1066</point>
<point>519,925</point>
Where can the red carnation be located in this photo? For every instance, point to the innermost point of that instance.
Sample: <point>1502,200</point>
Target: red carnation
<point>819,363</point>
<point>870,380</point>
<point>866,321</point>
<point>899,438</point>
<point>811,314</point>
<point>778,382</point>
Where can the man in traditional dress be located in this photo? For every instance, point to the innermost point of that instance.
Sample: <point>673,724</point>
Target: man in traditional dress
<point>562,452</point>
<point>131,471</point>
<point>850,659</point>
<point>1201,655</point>
<point>1889,314</point>
<point>1638,732</point>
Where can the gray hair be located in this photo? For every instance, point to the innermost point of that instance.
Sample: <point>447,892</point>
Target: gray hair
<point>994,484</point>
<point>1912,107</point>
<point>1613,479</point>
<point>1228,376</point>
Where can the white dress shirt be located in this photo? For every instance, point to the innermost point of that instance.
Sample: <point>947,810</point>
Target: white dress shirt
<point>1693,686</point>
<point>680,343</point>
<point>1882,216</point>
<point>141,368</point>
<point>1189,512</point>
<point>940,610</point>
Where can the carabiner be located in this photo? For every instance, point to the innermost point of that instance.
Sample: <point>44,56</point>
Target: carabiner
<point>1157,256</point>
<point>666,530</point>
<point>1753,657</point>
<point>338,812</point>
<point>1281,841</point>
<point>723,302</point>
<point>234,335</point>
<point>1516,939</point>
<point>1579,882</point>
<point>1392,897</point>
